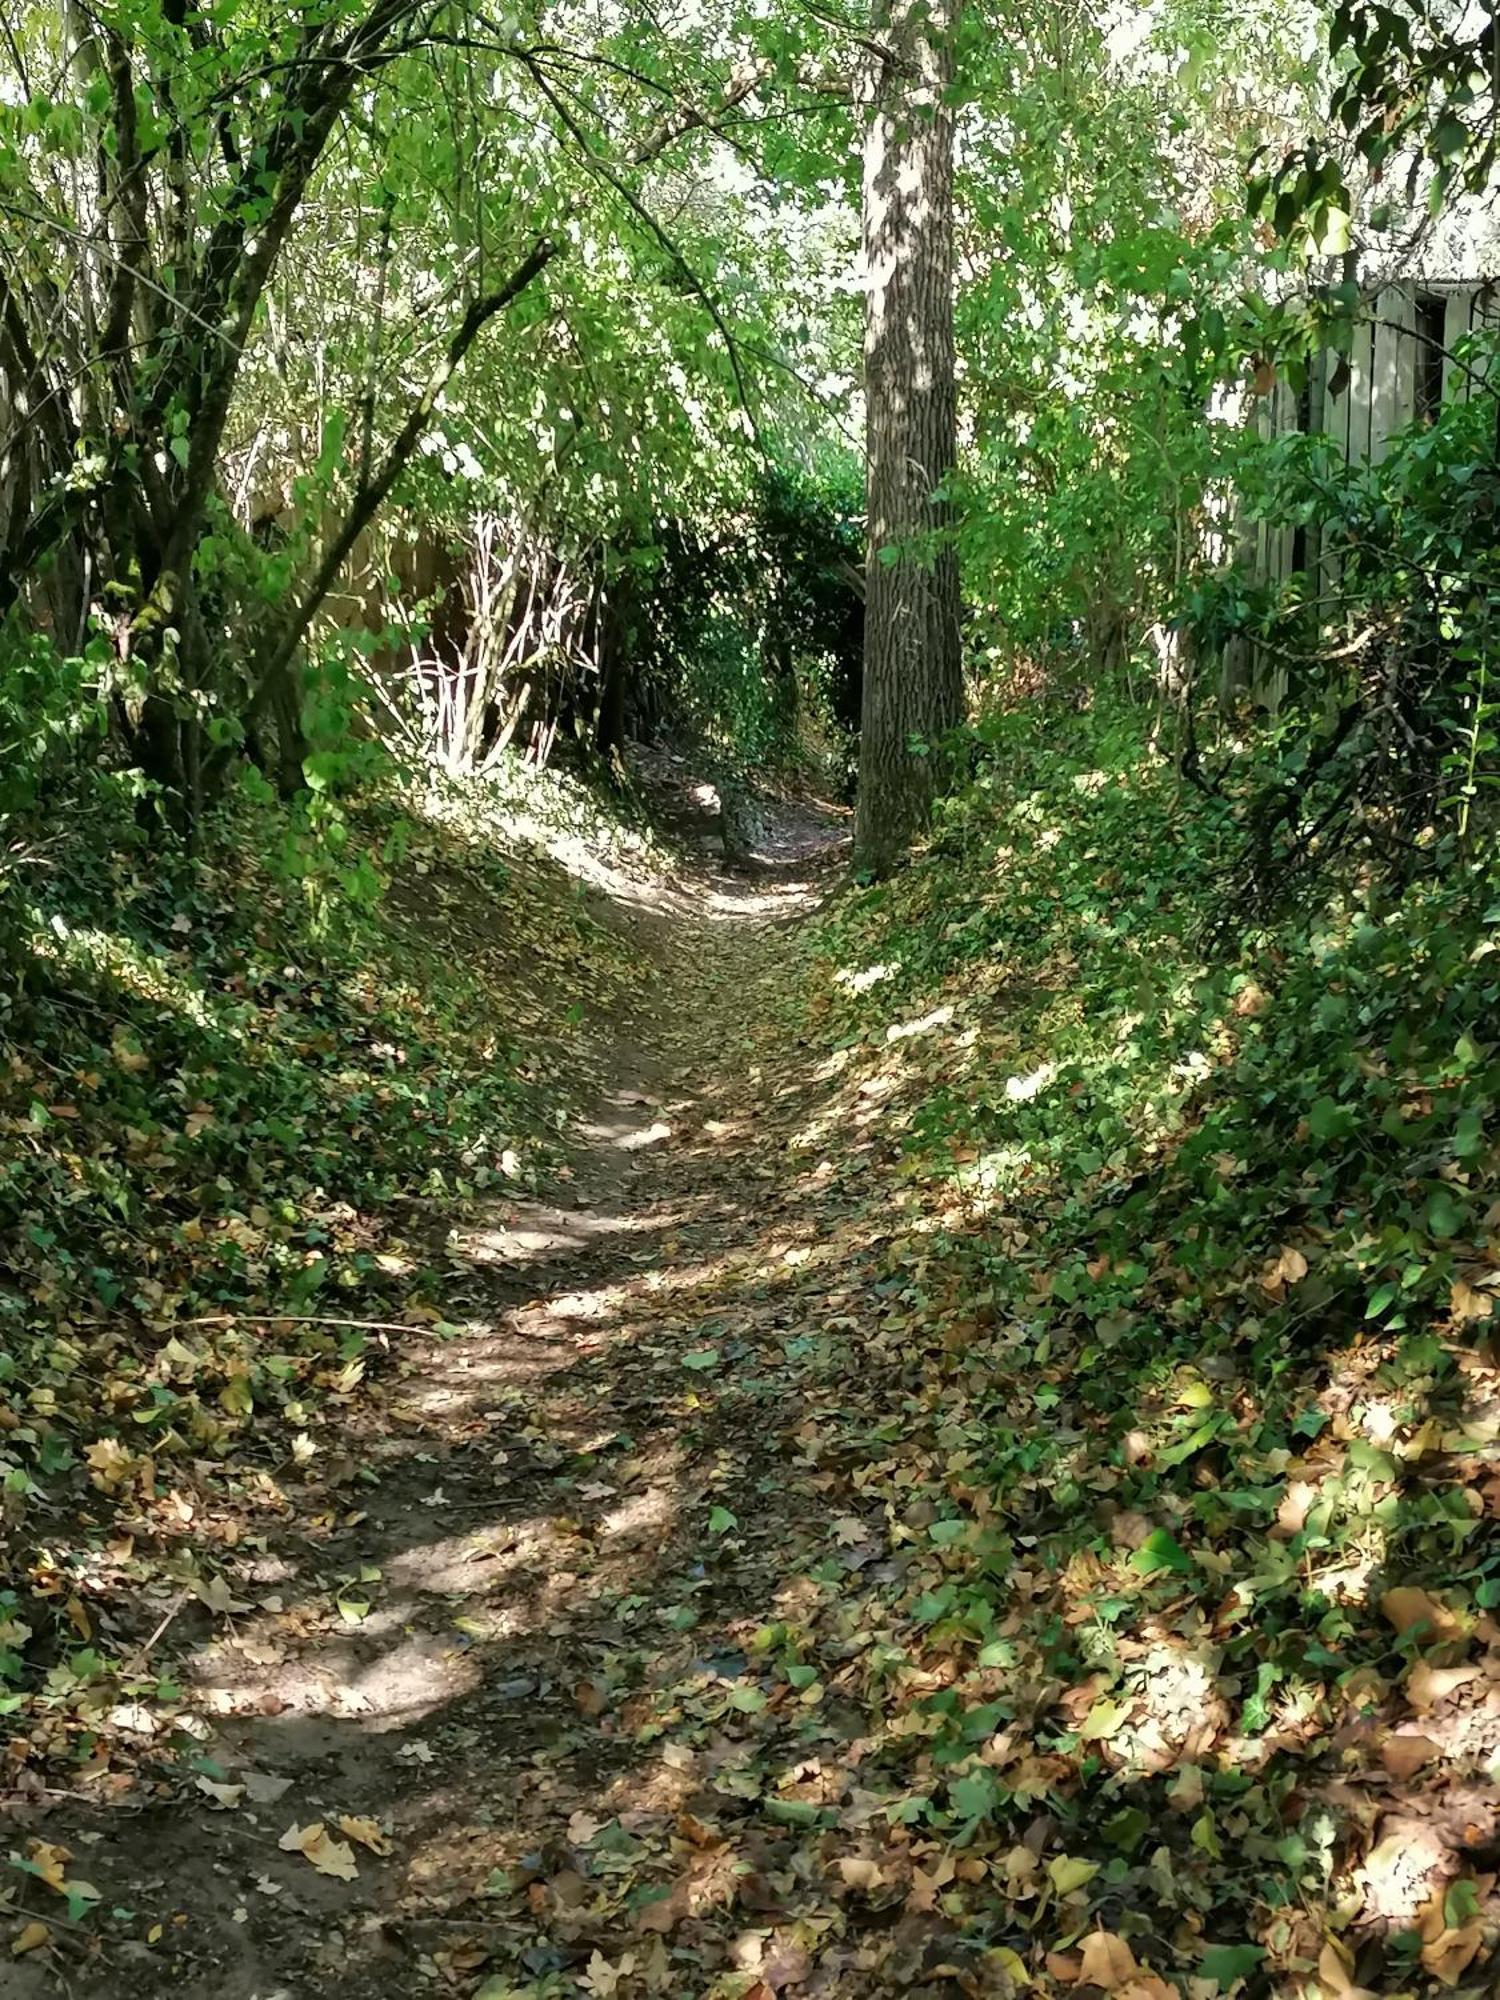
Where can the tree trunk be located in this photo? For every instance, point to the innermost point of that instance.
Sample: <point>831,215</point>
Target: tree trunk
<point>913,680</point>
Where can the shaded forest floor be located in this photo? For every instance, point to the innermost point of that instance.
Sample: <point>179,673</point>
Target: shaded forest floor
<point>513,1649</point>
<point>969,1473</point>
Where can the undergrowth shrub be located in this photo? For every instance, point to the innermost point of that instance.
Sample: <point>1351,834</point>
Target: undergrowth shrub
<point>1374,655</point>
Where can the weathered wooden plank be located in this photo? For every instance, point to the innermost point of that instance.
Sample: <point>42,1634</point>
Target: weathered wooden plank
<point>1390,338</point>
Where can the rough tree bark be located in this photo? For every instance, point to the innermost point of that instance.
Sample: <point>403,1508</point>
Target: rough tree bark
<point>913,682</point>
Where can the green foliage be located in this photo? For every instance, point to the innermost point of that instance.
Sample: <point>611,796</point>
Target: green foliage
<point>1100,312</point>
<point>1384,738</point>
<point>752,634</point>
<point>1412,99</point>
<point>51,714</point>
<point>1189,1301</point>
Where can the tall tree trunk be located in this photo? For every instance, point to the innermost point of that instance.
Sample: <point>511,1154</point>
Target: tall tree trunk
<point>913,681</point>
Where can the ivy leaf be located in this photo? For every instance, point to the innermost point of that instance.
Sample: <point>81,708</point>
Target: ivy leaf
<point>1160,1550</point>
<point>1227,1963</point>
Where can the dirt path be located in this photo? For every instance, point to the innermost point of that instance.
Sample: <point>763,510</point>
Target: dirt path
<point>506,1663</point>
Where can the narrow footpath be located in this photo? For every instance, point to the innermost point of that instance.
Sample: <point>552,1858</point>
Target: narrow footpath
<point>533,1715</point>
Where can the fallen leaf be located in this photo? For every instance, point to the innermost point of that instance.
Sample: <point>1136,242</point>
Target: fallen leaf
<point>1107,1961</point>
<point>366,1832</point>
<point>1403,1756</point>
<point>1407,1609</point>
<point>859,1872</point>
<point>1452,1952</point>
<point>264,1788</point>
<point>1426,1686</point>
<point>601,1977</point>
<point>223,1796</point>
<point>328,1856</point>
<point>31,1937</point>
<point>591,1698</point>
<point>1068,1873</point>
<point>666,1912</point>
<point>47,1862</point>
<point>1296,1504</point>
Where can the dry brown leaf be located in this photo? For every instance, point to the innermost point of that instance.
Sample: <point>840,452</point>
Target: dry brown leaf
<point>1426,1686</point>
<point>265,1788</point>
<point>1296,1504</point>
<point>1466,1301</point>
<point>1065,1967</point>
<point>697,1832</point>
<point>859,1872</point>
<point>1401,1874</point>
<point>602,1978</point>
<point>1289,1267</point>
<point>924,1887</point>
<point>366,1831</point>
<point>1106,1961</point>
<point>47,1859</point>
<point>1451,1953</point>
<point>1406,1608</point>
<point>1404,1756</point>
<point>328,1856</point>
<point>1129,1529</point>
<point>224,1796</point>
<point>1187,1790</point>
<point>667,1912</point>
<point>567,1889</point>
<point>1336,1973</point>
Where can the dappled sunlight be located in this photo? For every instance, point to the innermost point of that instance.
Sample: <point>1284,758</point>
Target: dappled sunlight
<point>862,981</point>
<point>533,1233</point>
<point>925,1024</point>
<point>778,1553</point>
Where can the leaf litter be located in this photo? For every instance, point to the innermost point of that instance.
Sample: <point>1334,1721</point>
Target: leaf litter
<point>909,1590</point>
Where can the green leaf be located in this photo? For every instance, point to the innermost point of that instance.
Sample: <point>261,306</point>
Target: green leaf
<point>720,1521</point>
<point>1468,1134</point>
<point>1332,238</point>
<point>1226,1963</point>
<point>974,1795</point>
<point>1328,1120</point>
<point>792,1812</point>
<point>1444,1216</point>
<point>1461,1904</point>
<point>1160,1550</point>
<point>1127,1829</point>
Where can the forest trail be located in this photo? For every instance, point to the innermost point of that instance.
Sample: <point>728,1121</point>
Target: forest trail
<point>509,1670</point>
